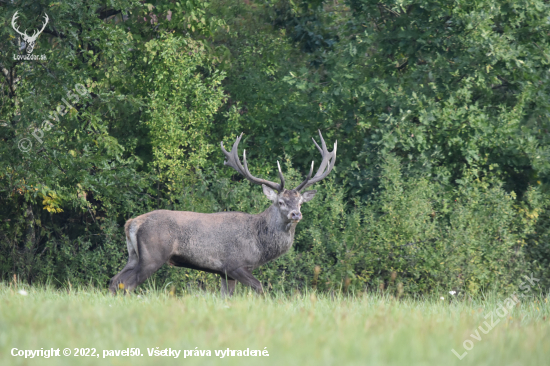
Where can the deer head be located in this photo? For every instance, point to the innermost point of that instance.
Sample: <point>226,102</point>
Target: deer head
<point>287,201</point>
<point>30,40</point>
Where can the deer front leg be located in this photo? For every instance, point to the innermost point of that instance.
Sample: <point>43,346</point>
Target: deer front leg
<point>228,287</point>
<point>244,276</point>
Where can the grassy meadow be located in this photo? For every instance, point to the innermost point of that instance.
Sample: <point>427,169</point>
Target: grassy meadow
<point>297,328</point>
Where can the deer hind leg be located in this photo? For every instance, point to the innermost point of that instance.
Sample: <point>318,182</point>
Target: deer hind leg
<point>228,286</point>
<point>144,272</point>
<point>244,276</point>
<point>132,278</point>
<point>140,267</point>
<point>151,257</point>
<point>133,262</point>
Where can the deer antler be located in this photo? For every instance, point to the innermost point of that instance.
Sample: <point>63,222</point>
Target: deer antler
<point>29,39</point>
<point>329,159</point>
<point>37,33</point>
<point>13,19</point>
<point>234,162</point>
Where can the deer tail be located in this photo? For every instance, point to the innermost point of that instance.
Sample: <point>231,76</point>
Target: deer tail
<point>130,228</point>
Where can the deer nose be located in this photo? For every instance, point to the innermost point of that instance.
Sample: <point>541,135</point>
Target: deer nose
<point>295,215</point>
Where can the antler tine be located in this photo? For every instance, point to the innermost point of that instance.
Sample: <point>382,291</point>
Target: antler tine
<point>45,23</point>
<point>15,28</point>
<point>234,162</point>
<point>36,33</point>
<point>281,176</point>
<point>253,179</point>
<point>324,153</point>
<point>326,166</point>
<point>231,156</point>
<point>301,186</point>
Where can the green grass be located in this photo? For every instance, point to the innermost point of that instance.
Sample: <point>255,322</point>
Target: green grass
<point>297,329</point>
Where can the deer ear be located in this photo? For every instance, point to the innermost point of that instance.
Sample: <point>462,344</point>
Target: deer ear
<point>308,195</point>
<point>269,193</point>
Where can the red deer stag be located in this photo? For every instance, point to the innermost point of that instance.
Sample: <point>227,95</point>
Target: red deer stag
<point>230,244</point>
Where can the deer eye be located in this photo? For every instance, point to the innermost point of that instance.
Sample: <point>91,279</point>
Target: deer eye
<point>281,203</point>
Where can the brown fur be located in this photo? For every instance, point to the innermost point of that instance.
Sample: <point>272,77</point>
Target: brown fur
<point>230,244</point>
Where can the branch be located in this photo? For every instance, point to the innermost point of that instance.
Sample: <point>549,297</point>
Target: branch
<point>104,14</point>
<point>403,65</point>
<point>54,33</point>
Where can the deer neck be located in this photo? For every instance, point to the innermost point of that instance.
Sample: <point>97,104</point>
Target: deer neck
<point>277,222</point>
<point>275,234</point>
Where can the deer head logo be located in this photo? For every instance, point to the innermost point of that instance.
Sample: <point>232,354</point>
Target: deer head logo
<point>30,40</point>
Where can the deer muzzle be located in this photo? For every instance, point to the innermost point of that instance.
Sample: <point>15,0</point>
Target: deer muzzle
<point>295,216</point>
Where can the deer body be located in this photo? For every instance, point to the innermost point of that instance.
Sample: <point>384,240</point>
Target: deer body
<point>213,242</point>
<point>230,244</point>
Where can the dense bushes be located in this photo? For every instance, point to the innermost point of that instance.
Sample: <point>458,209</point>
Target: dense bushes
<point>469,239</point>
<point>472,238</point>
<point>439,109</point>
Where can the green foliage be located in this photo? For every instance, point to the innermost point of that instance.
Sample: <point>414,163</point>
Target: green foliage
<point>447,85</point>
<point>470,238</point>
<point>180,108</point>
<point>440,110</point>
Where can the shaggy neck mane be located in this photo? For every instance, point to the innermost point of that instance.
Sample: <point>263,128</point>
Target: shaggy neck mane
<point>276,221</point>
<point>275,234</point>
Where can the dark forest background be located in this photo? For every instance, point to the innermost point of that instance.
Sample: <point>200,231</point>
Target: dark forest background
<point>440,108</point>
